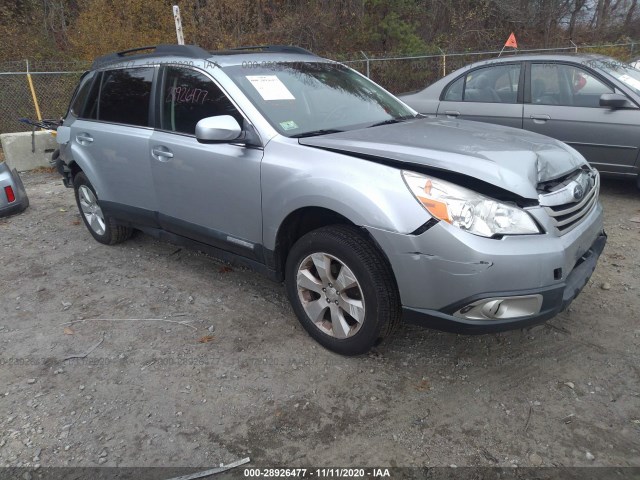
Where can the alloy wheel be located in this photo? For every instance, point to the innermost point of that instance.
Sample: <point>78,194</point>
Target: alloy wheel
<point>330,295</point>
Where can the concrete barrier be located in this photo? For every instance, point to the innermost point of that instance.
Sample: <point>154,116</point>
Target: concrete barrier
<point>28,150</point>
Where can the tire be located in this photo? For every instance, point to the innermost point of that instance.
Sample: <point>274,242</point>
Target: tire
<point>102,227</point>
<point>370,309</point>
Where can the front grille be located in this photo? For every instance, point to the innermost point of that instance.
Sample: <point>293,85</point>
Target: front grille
<point>566,215</point>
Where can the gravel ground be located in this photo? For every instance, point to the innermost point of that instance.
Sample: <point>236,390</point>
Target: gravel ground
<point>191,363</point>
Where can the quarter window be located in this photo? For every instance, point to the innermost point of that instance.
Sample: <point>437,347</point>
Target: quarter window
<point>189,96</point>
<point>454,92</point>
<point>91,106</point>
<point>81,96</point>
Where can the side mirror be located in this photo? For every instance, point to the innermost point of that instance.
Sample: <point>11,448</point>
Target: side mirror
<point>218,129</point>
<point>613,100</point>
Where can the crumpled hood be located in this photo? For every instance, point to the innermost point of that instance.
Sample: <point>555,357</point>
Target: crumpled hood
<point>512,159</point>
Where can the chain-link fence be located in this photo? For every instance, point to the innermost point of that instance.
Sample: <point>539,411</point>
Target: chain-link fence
<point>404,74</point>
<point>54,82</point>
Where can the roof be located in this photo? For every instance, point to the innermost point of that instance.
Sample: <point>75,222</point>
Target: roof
<point>572,57</point>
<point>250,53</point>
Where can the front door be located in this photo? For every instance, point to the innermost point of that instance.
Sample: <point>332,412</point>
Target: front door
<point>207,192</point>
<point>564,103</point>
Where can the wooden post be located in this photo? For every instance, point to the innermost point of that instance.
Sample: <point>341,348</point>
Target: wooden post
<point>178,20</point>
<point>574,45</point>
<point>33,93</point>
<point>367,60</point>
<point>444,62</point>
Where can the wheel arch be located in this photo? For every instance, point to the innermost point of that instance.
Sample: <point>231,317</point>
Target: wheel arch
<point>75,169</point>
<point>302,221</point>
<point>78,162</point>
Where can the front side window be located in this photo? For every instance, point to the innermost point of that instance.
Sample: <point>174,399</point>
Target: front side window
<point>188,96</point>
<point>125,96</point>
<point>566,85</point>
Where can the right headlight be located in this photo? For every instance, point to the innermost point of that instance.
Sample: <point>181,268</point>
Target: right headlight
<point>467,209</point>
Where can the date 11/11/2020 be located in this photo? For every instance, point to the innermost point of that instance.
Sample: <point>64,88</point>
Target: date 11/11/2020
<point>316,472</point>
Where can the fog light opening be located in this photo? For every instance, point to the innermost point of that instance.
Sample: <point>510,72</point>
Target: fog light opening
<point>502,308</point>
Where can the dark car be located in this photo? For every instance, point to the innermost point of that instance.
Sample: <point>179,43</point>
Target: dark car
<point>589,102</point>
<point>13,197</point>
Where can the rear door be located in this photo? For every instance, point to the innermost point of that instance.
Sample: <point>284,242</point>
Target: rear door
<point>207,192</point>
<point>563,102</point>
<point>488,94</point>
<point>110,142</point>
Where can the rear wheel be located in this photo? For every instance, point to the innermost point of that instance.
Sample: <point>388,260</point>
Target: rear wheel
<point>342,289</point>
<point>102,227</point>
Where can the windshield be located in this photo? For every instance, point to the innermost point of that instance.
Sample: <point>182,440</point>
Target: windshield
<point>623,72</point>
<point>311,98</point>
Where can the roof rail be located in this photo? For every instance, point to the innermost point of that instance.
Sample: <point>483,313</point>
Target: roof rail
<point>267,49</point>
<point>191,51</point>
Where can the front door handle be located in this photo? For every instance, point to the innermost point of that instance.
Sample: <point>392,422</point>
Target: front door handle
<point>161,153</point>
<point>540,118</point>
<point>452,113</point>
<point>84,138</point>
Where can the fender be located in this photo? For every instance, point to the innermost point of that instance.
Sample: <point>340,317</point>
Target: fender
<point>336,182</point>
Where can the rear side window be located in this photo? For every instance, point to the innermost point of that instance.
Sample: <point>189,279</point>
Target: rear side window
<point>189,96</point>
<point>123,97</point>
<point>495,84</point>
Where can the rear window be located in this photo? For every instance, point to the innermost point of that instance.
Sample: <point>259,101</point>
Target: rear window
<point>123,96</point>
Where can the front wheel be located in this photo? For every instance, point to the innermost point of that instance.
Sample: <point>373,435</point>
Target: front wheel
<point>342,289</point>
<point>102,227</point>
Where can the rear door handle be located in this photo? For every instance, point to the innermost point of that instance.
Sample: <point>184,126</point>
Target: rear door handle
<point>540,118</point>
<point>452,113</point>
<point>84,138</point>
<point>161,153</point>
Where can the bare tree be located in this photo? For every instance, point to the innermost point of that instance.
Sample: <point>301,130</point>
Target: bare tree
<point>629,17</point>
<point>576,11</point>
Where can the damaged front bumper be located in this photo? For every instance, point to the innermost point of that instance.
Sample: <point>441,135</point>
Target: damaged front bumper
<point>13,196</point>
<point>552,300</point>
<point>470,284</point>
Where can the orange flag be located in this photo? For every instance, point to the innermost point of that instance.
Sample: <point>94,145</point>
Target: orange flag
<point>511,41</point>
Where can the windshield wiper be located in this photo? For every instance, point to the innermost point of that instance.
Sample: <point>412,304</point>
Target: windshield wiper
<point>315,133</point>
<point>392,120</point>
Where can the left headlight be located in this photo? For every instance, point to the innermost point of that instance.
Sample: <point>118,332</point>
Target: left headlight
<point>467,209</point>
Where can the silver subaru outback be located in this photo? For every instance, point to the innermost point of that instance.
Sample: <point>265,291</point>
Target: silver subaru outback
<point>307,171</point>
